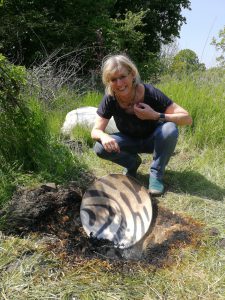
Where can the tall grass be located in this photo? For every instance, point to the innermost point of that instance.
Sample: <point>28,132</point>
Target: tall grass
<point>203,95</point>
<point>90,99</point>
<point>64,104</point>
<point>27,144</point>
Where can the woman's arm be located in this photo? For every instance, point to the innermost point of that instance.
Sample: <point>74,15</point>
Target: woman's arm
<point>177,114</point>
<point>174,113</point>
<point>99,128</point>
<point>98,133</point>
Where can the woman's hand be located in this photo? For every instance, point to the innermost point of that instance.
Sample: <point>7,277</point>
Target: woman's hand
<point>109,143</point>
<point>97,133</point>
<point>174,113</point>
<point>145,112</point>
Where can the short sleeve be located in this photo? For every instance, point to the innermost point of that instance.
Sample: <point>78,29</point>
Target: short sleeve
<point>157,99</point>
<point>105,109</point>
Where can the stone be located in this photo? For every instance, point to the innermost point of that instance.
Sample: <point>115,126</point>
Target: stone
<point>84,116</point>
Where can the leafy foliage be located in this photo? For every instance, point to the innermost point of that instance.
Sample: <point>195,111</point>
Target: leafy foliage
<point>26,141</point>
<point>220,46</point>
<point>31,30</point>
<point>127,33</point>
<point>167,54</point>
<point>162,20</point>
<point>186,61</point>
<point>21,125</point>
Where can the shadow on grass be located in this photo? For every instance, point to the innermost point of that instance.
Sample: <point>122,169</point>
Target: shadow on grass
<point>190,182</point>
<point>195,184</point>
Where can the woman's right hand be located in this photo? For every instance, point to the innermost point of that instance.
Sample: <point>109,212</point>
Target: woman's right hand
<point>97,133</point>
<point>109,143</point>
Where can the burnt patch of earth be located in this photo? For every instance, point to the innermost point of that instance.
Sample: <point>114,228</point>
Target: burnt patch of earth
<point>53,213</point>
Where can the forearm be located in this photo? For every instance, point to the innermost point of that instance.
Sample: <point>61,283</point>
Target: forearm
<point>98,131</point>
<point>178,115</point>
<point>97,134</point>
<point>108,142</point>
<point>178,118</point>
<point>174,113</point>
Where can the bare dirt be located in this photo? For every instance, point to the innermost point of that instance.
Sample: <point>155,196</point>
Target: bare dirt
<point>53,213</point>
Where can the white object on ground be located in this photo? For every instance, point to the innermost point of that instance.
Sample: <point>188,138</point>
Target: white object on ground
<point>84,116</point>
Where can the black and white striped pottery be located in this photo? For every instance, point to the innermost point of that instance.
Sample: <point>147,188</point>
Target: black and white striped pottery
<point>117,208</point>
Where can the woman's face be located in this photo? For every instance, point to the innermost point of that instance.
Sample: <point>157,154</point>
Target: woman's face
<point>121,82</point>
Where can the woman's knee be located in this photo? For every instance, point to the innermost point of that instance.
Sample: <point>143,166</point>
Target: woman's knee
<point>99,149</point>
<point>169,130</point>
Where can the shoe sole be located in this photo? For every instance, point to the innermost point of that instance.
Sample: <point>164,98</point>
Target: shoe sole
<point>155,193</point>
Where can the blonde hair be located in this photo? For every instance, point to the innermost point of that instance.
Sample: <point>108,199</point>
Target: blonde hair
<point>113,63</point>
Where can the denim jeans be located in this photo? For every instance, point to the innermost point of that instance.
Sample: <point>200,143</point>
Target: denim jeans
<point>161,143</point>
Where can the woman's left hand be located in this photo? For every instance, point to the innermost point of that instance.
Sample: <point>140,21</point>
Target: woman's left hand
<point>145,112</point>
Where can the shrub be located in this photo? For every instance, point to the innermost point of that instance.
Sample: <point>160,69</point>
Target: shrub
<point>26,140</point>
<point>23,130</point>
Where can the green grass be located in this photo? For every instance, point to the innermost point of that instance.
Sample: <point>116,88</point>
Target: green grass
<point>28,271</point>
<point>64,104</point>
<point>195,187</point>
<point>205,100</point>
<point>31,149</point>
<point>90,99</point>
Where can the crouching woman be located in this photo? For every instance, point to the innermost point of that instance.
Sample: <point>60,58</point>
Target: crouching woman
<point>146,119</point>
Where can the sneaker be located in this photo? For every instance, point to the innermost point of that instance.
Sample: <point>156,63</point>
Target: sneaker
<point>133,172</point>
<point>156,186</point>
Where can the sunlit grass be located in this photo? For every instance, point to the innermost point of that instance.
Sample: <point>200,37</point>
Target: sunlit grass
<point>64,105</point>
<point>205,101</point>
<point>91,99</point>
<point>195,187</point>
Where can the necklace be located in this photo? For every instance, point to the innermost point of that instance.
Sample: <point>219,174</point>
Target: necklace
<point>123,103</point>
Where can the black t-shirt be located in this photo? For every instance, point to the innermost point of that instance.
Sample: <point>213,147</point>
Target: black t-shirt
<point>130,124</point>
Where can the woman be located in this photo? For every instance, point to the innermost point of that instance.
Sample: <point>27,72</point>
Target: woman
<point>145,117</point>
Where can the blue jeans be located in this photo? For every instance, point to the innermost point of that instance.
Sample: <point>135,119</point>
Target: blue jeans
<point>161,143</point>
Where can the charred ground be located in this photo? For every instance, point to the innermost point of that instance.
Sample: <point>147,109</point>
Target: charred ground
<point>53,213</point>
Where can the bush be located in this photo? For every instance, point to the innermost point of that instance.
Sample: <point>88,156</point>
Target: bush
<point>23,130</point>
<point>27,145</point>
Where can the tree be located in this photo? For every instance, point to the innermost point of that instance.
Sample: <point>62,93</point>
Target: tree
<point>220,46</point>
<point>127,35</point>
<point>32,29</point>
<point>186,61</point>
<point>162,20</point>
